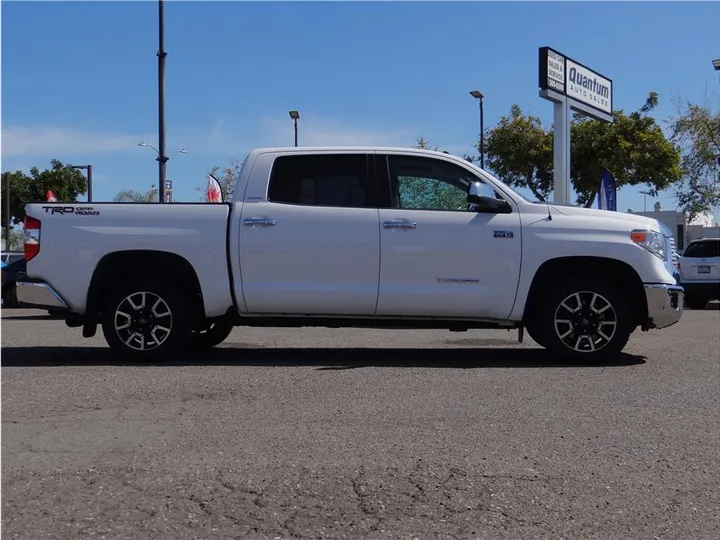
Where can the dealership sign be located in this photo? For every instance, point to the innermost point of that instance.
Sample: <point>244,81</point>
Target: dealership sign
<point>589,91</point>
<point>571,86</point>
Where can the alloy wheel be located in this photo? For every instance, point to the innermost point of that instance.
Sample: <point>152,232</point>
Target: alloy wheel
<point>585,321</point>
<point>143,321</point>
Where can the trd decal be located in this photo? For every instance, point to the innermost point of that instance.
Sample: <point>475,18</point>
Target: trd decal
<point>71,210</point>
<point>503,234</point>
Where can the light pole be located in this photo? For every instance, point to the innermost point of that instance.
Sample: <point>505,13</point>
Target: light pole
<point>477,94</point>
<point>645,194</point>
<point>162,186</point>
<point>146,145</point>
<point>162,158</point>
<point>87,168</point>
<point>295,117</point>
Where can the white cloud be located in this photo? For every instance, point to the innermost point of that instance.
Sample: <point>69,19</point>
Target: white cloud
<point>54,141</point>
<point>279,131</point>
<point>219,138</point>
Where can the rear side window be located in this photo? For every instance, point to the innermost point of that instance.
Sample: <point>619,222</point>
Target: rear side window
<point>703,248</point>
<point>340,180</point>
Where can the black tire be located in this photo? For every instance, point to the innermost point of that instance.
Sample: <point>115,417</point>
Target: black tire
<point>162,319</point>
<point>696,303</point>
<point>535,335</point>
<point>12,300</point>
<point>599,331</point>
<point>209,334</point>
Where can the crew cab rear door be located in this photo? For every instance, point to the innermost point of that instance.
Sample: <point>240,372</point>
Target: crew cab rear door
<point>309,241</point>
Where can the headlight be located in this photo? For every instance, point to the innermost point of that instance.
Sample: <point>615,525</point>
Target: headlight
<point>653,241</point>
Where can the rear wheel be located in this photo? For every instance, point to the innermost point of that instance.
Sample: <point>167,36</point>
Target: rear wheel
<point>146,321</point>
<point>209,334</point>
<point>584,319</point>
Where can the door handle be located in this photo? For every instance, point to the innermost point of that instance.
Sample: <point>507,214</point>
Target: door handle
<point>265,222</point>
<point>399,224</point>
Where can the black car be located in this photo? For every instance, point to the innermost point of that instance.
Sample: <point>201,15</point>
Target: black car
<point>14,267</point>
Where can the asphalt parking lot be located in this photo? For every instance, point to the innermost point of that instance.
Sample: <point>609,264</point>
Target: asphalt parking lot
<point>315,433</point>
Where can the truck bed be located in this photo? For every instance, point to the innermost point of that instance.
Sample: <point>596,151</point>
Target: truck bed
<point>76,237</point>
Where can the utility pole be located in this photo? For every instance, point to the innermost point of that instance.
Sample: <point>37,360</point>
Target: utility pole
<point>162,158</point>
<point>87,168</point>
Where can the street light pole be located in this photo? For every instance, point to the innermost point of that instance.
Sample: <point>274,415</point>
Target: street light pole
<point>295,117</point>
<point>87,168</point>
<point>162,158</point>
<point>477,94</point>
<point>645,194</point>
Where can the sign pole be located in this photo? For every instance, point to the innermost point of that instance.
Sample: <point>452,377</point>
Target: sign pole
<point>561,152</point>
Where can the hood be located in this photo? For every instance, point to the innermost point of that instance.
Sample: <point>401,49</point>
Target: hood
<point>640,222</point>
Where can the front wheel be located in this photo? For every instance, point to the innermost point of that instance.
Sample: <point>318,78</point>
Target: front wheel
<point>584,319</point>
<point>146,321</point>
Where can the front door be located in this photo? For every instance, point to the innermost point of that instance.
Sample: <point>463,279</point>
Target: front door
<point>438,257</point>
<point>309,242</point>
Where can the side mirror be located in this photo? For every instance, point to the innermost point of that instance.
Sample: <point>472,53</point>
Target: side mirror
<point>484,204</point>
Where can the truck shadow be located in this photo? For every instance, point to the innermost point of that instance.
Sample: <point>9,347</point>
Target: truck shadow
<point>321,358</point>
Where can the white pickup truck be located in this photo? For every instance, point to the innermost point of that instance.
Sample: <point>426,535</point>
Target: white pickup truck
<point>351,237</point>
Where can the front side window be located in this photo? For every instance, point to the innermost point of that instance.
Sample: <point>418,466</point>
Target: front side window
<point>422,183</point>
<point>339,180</point>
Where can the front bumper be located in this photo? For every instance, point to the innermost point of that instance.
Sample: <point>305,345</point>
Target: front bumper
<point>665,304</point>
<point>38,294</point>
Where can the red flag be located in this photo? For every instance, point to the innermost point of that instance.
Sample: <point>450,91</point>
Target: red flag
<point>214,192</point>
<point>51,196</point>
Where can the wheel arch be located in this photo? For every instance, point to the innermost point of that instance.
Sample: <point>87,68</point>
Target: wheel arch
<point>153,264</point>
<point>615,271</point>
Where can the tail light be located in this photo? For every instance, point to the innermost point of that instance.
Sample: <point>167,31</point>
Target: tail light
<point>32,237</point>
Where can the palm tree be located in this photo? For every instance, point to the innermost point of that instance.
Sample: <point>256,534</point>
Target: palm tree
<point>130,195</point>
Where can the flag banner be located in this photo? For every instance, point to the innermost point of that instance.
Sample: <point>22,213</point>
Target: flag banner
<point>607,197</point>
<point>214,192</point>
<point>51,196</point>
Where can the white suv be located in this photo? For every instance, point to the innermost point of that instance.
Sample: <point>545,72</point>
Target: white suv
<point>700,272</point>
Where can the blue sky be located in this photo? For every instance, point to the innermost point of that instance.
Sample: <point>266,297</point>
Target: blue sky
<point>79,79</point>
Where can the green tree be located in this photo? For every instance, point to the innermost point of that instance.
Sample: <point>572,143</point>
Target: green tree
<point>65,182</point>
<point>130,195</point>
<point>16,239</point>
<point>696,130</point>
<point>633,147</point>
<point>227,178</point>
<point>519,151</point>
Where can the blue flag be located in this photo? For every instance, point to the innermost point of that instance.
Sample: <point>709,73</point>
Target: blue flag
<point>607,197</point>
